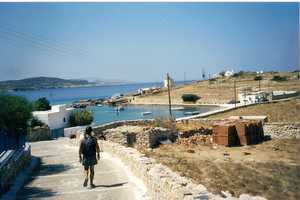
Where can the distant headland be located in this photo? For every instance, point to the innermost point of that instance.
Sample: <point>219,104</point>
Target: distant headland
<point>37,83</point>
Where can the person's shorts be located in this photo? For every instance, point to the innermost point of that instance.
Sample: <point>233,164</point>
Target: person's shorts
<point>88,161</point>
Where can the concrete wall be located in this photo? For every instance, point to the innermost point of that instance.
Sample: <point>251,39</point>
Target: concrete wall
<point>11,163</point>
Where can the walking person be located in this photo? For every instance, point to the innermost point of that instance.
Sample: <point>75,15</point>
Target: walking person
<point>87,155</point>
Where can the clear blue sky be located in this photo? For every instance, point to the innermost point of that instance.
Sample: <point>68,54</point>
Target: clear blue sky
<point>142,41</point>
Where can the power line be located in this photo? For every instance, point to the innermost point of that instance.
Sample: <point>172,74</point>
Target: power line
<point>41,42</point>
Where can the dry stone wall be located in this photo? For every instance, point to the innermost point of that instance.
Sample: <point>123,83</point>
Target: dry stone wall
<point>38,133</point>
<point>282,130</point>
<point>141,137</point>
<point>162,183</point>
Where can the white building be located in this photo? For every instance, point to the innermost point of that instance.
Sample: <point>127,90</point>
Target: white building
<point>171,83</point>
<point>228,73</point>
<point>252,97</point>
<point>56,118</point>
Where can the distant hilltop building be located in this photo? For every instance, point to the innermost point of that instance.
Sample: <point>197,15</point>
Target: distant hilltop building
<point>229,73</point>
<point>56,118</point>
<point>171,82</point>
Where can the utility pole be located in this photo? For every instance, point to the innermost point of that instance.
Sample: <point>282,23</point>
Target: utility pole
<point>234,83</point>
<point>259,84</point>
<point>184,78</point>
<point>168,83</point>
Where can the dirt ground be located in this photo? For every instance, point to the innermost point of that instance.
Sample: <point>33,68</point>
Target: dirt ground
<point>270,169</point>
<point>221,90</point>
<point>286,111</point>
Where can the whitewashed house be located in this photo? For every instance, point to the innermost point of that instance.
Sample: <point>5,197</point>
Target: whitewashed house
<point>171,83</point>
<point>56,118</point>
<point>228,73</point>
<point>252,97</point>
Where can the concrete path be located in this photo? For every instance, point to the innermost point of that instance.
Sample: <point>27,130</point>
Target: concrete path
<point>60,176</point>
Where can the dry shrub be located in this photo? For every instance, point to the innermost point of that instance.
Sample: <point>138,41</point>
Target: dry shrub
<point>165,122</point>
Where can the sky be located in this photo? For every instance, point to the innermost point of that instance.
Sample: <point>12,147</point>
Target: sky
<point>142,41</point>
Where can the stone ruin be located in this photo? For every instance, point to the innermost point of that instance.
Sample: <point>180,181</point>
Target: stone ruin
<point>140,137</point>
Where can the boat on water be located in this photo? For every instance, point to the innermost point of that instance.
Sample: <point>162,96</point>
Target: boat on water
<point>119,108</point>
<point>177,108</point>
<point>99,105</point>
<point>192,113</point>
<point>146,113</point>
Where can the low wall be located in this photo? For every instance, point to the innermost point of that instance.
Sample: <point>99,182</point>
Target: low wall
<point>282,130</point>
<point>162,183</point>
<point>73,130</point>
<point>140,137</point>
<point>38,133</point>
<point>98,130</point>
<point>11,163</point>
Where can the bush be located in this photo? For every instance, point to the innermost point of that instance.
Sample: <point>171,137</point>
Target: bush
<point>279,78</point>
<point>165,122</point>
<point>36,122</point>
<point>222,73</point>
<point>42,104</point>
<point>15,112</point>
<point>81,117</point>
<point>240,73</point>
<point>258,78</point>
<point>190,97</point>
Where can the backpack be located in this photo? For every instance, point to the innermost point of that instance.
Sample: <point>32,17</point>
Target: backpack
<point>89,147</point>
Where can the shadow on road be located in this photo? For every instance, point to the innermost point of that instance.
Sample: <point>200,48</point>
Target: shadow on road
<point>112,185</point>
<point>34,192</point>
<point>51,169</point>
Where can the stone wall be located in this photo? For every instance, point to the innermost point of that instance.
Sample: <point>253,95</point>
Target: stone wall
<point>161,182</point>
<point>11,163</point>
<point>38,133</point>
<point>282,130</point>
<point>140,137</point>
<point>68,132</point>
<point>98,130</point>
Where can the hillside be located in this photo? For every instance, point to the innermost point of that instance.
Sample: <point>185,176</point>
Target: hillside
<point>221,90</point>
<point>41,83</point>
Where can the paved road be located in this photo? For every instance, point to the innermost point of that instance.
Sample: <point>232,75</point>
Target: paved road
<point>60,176</point>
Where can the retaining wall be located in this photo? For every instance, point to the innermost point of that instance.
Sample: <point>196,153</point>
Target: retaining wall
<point>11,163</point>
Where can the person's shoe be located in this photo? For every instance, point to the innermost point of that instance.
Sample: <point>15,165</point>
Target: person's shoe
<point>85,182</point>
<point>92,186</point>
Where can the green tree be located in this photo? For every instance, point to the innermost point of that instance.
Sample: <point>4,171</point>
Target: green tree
<point>42,104</point>
<point>15,112</point>
<point>81,117</point>
<point>279,78</point>
<point>35,122</point>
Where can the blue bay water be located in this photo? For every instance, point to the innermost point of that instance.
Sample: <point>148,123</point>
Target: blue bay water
<point>107,113</point>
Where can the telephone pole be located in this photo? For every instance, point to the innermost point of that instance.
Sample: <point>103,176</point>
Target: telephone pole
<point>168,83</point>
<point>234,83</point>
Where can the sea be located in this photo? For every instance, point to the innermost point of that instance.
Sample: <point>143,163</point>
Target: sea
<point>105,113</point>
